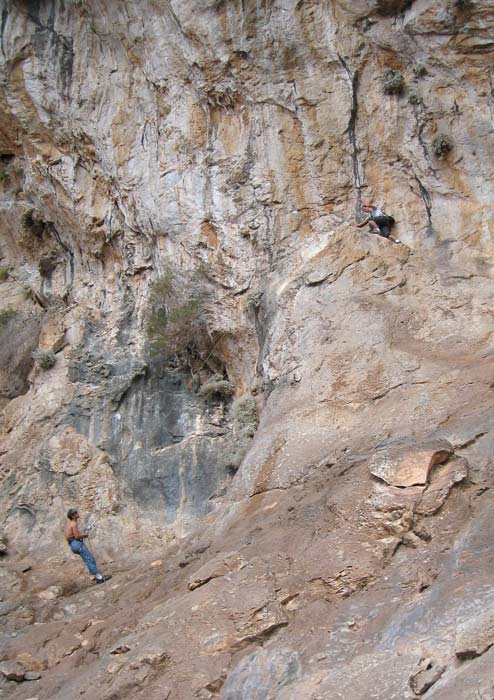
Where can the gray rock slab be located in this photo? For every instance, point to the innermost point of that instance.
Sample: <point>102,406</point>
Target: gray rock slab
<point>260,675</point>
<point>32,676</point>
<point>12,671</point>
<point>220,566</point>
<point>425,677</point>
<point>470,681</point>
<point>475,635</point>
<point>383,676</point>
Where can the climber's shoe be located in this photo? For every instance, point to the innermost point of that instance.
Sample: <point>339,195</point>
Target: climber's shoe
<point>103,578</point>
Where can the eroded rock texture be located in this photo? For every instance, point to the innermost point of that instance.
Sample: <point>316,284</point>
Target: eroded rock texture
<point>342,541</point>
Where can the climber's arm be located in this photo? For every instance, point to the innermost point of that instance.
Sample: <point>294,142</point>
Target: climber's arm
<point>362,223</point>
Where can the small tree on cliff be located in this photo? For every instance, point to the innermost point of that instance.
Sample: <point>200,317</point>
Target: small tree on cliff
<point>176,323</point>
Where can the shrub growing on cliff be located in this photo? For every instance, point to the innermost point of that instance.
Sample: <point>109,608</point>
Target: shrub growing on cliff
<point>216,388</point>
<point>441,145</point>
<point>419,70</point>
<point>393,82</point>
<point>415,99</point>
<point>44,358</point>
<point>245,420</point>
<point>245,415</point>
<point>176,321</point>
<point>7,315</point>
<point>4,274</point>
<point>254,299</point>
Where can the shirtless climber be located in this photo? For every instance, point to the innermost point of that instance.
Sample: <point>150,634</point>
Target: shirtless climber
<point>76,544</point>
<point>379,222</point>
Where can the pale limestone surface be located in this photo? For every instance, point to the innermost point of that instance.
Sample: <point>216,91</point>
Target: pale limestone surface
<point>475,636</point>
<point>241,137</point>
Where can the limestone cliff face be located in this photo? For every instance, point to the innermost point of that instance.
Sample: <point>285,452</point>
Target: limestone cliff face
<point>237,139</point>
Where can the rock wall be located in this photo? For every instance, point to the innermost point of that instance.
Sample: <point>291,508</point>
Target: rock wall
<point>237,139</point>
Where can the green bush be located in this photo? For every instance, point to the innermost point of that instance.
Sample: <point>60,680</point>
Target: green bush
<point>216,388</point>
<point>393,82</point>
<point>176,323</point>
<point>4,274</point>
<point>245,415</point>
<point>441,145</point>
<point>44,358</point>
<point>420,70</point>
<point>234,457</point>
<point>415,99</point>
<point>254,299</point>
<point>7,315</point>
<point>245,420</point>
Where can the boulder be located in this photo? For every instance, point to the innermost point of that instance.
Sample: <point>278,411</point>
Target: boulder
<point>410,465</point>
<point>64,644</point>
<point>428,673</point>
<point>121,649</point>
<point>221,566</point>
<point>30,662</point>
<point>32,676</point>
<point>50,593</point>
<point>250,625</point>
<point>475,635</point>
<point>253,625</point>
<point>12,671</point>
<point>444,478</point>
<point>317,277</point>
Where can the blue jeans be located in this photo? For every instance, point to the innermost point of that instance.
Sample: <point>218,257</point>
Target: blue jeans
<point>80,548</point>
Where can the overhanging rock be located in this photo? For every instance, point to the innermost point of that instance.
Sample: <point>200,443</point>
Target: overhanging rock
<point>409,465</point>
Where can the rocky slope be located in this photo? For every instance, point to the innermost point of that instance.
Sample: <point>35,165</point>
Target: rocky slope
<point>294,499</point>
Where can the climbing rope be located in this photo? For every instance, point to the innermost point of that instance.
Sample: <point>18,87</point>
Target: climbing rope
<point>89,528</point>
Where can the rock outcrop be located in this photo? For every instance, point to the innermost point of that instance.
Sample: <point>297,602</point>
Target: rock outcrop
<point>279,426</point>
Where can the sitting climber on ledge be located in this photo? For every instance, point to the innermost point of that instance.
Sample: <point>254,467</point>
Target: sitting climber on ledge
<point>76,544</point>
<point>379,222</point>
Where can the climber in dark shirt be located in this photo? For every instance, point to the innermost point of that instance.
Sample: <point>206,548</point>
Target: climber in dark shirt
<point>379,222</point>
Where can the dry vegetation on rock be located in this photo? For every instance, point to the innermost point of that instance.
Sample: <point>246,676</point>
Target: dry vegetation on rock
<point>176,320</point>
<point>393,82</point>
<point>44,358</point>
<point>441,145</point>
<point>216,388</point>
